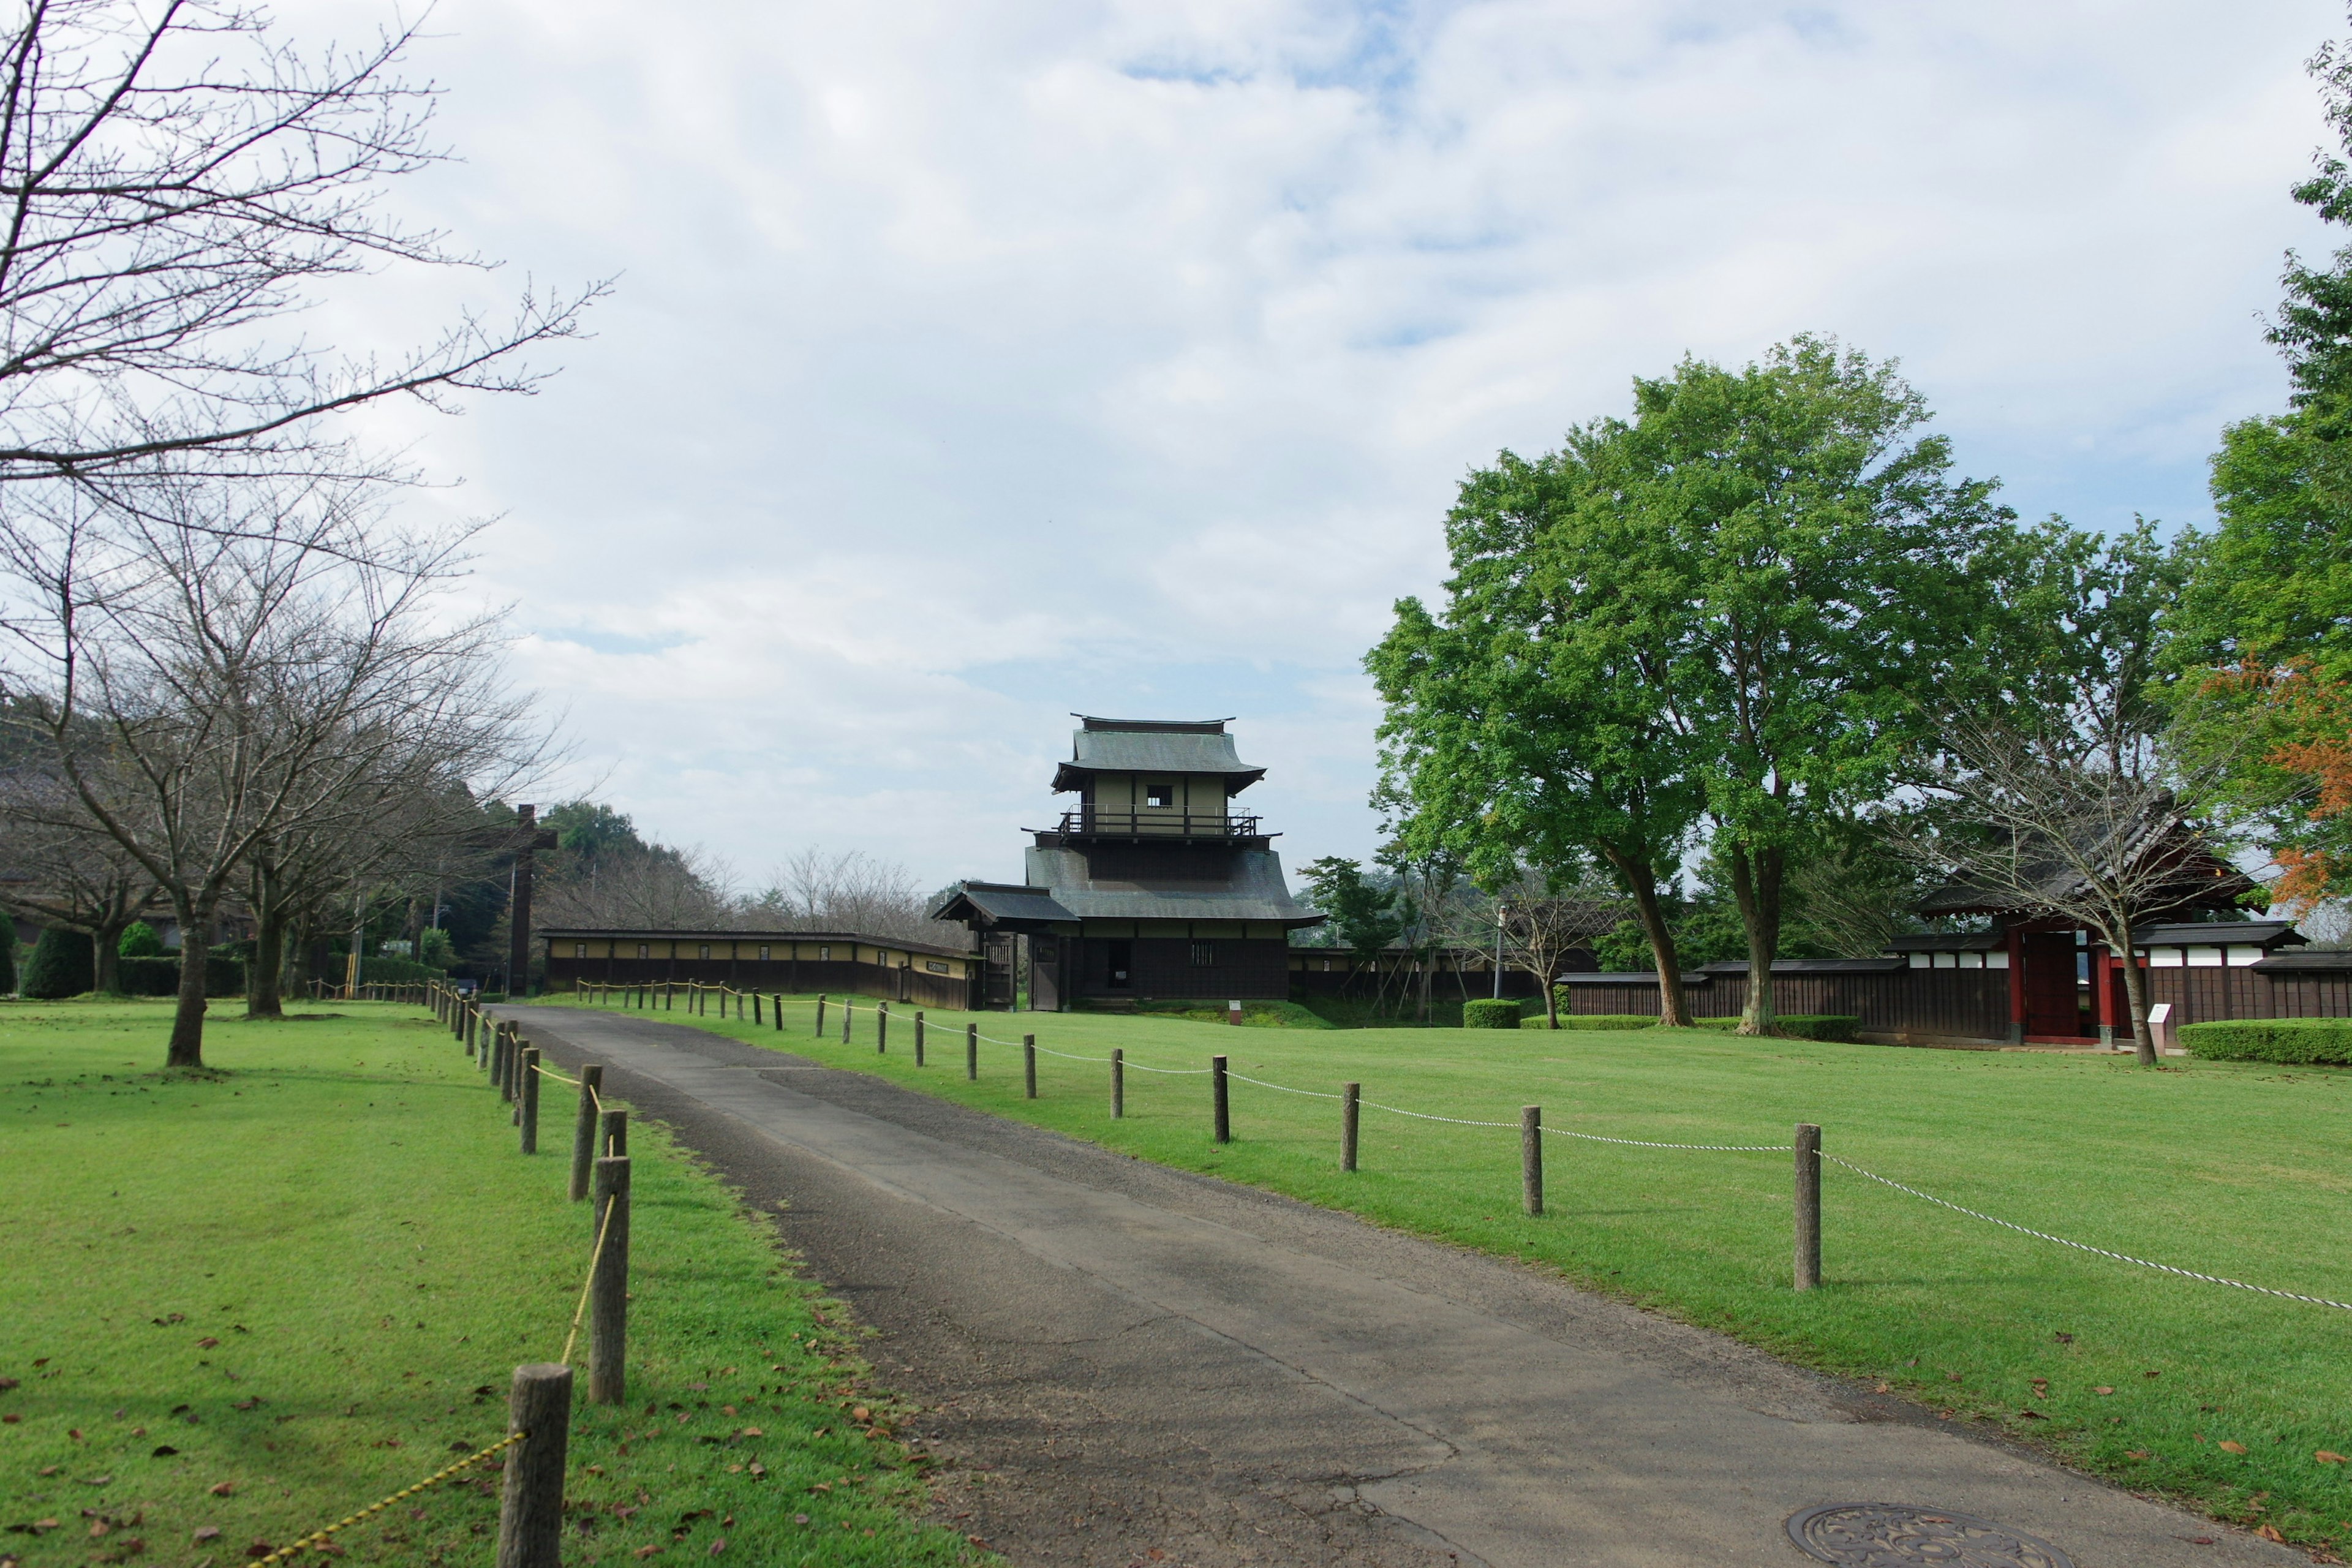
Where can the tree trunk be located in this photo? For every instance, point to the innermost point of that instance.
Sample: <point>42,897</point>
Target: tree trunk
<point>1756,887</point>
<point>106,955</point>
<point>1641,880</point>
<point>1548,980</point>
<point>187,1047</point>
<point>2135,995</point>
<point>264,991</point>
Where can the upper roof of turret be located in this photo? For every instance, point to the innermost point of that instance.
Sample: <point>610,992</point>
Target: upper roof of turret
<point>1153,746</point>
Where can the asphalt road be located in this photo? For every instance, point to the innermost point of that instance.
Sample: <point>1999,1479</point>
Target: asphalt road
<point>1122,1363</point>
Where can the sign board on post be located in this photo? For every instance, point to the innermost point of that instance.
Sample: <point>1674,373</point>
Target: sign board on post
<point>1233,1012</point>
<point>2160,1025</point>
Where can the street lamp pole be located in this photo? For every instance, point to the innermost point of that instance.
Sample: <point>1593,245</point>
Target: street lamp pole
<point>1500,912</point>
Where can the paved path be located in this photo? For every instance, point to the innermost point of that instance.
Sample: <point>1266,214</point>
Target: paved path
<point>1121,1358</point>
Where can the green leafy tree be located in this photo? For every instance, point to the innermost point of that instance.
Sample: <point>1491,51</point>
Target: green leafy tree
<point>140,939</point>
<point>2263,636</point>
<point>1721,611</point>
<point>1812,568</point>
<point>1363,913</point>
<point>1517,723</point>
<point>61,966</point>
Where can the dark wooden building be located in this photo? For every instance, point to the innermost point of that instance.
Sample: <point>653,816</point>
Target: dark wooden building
<point>1153,886</point>
<point>785,961</point>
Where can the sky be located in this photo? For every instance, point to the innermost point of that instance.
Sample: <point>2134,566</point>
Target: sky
<point>967,365</point>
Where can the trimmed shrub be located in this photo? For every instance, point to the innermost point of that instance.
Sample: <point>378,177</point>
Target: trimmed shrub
<point>1798,1026</point>
<point>1569,1020</point>
<point>1491,1012</point>
<point>139,941</point>
<point>224,976</point>
<point>2299,1041</point>
<point>62,964</point>
<point>391,969</point>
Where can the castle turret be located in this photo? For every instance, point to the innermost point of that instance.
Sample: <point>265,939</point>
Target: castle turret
<point>1153,886</point>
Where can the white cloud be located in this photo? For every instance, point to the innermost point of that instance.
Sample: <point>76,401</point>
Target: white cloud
<point>971,363</point>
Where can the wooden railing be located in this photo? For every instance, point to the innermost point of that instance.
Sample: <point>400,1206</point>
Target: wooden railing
<point>1161,823</point>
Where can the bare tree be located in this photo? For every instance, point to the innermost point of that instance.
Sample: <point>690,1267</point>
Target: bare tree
<point>655,888</point>
<point>2061,796</point>
<point>178,178</point>
<point>1540,923</point>
<point>849,891</point>
<point>240,674</point>
<point>2046,818</point>
<point>68,874</point>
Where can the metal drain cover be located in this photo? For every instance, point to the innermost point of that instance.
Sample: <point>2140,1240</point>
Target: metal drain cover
<point>1893,1535</point>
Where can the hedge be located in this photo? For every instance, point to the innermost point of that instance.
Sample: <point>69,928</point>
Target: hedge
<point>391,969</point>
<point>1491,1012</point>
<point>1608,1020</point>
<point>2326,1041</point>
<point>61,966</point>
<point>224,976</point>
<point>1798,1026</point>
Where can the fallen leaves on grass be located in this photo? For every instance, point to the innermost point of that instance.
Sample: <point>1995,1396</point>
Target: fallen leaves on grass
<point>2329,1456</point>
<point>2103,1388</point>
<point>2269,1533</point>
<point>2230,1446</point>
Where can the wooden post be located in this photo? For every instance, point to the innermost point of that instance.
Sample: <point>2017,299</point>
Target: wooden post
<point>881,1027</point>
<point>530,1100</point>
<point>919,1036</point>
<point>971,1053</point>
<point>516,1070</point>
<point>848,1013</point>
<point>776,1006</point>
<point>584,1130</point>
<point>1531,1158</point>
<point>499,1062</point>
<point>612,1133</point>
<point>1029,1064</point>
<point>1117,1083</point>
<point>1224,1110</point>
<point>756,1019</point>
<point>608,1287</point>
<point>820,1016</point>
<point>1809,1205</point>
<point>1350,1094</point>
<point>530,1509</point>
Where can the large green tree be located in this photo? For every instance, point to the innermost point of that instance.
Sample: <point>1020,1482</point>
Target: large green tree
<point>1718,614</point>
<point>2263,631</point>
<point>1518,723</point>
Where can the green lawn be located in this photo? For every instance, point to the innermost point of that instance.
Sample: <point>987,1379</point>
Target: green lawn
<point>2235,1170</point>
<point>255,1300</point>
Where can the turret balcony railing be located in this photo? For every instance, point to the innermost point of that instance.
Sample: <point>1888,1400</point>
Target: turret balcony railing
<point>1157,824</point>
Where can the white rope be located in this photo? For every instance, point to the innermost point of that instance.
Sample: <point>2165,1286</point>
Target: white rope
<point>1068,1058</point>
<point>1285,1088</point>
<point>1174,1072</point>
<point>2084,1247</point>
<point>1424,1116</point>
<point>1709,1147</point>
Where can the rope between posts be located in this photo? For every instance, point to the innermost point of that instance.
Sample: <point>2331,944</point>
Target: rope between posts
<point>435,1478</point>
<point>1707,1148</point>
<point>603,1229</point>
<point>1424,1116</point>
<point>1067,1056</point>
<point>1284,1087</point>
<point>2085,1246</point>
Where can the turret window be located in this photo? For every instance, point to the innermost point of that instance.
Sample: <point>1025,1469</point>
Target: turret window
<point>1204,955</point>
<point>1161,795</point>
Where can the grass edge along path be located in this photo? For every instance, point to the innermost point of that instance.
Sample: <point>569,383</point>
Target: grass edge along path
<point>244,1303</point>
<point>2231,1403</point>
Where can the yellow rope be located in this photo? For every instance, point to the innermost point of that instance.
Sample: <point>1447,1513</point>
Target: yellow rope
<point>546,1071</point>
<point>433,1479</point>
<point>603,1230</point>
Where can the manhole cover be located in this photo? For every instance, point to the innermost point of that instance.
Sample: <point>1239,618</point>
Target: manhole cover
<point>1891,1535</point>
